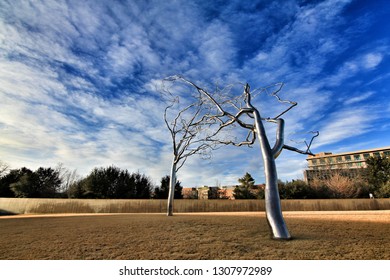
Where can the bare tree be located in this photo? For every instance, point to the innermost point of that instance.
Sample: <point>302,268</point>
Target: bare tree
<point>247,116</point>
<point>189,122</point>
<point>67,177</point>
<point>3,168</point>
<point>339,184</point>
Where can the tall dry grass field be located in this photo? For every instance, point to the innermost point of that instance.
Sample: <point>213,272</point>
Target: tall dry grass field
<point>317,235</point>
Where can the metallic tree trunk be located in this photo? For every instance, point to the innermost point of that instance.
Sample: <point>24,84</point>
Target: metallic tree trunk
<point>272,200</point>
<point>171,193</point>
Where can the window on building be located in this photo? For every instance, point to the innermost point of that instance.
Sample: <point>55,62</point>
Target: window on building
<point>339,159</point>
<point>377,154</point>
<point>357,157</point>
<point>366,156</point>
<point>348,158</point>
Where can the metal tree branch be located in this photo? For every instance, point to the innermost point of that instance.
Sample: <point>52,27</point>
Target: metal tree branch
<point>308,145</point>
<point>275,94</point>
<point>279,143</point>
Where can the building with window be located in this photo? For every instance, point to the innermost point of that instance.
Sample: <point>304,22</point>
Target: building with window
<point>351,164</point>
<point>205,192</point>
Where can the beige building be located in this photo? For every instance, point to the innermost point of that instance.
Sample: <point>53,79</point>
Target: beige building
<point>206,192</point>
<point>349,164</point>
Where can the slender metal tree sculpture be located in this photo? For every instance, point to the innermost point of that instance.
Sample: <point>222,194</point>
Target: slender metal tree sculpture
<point>247,111</point>
<point>189,123</point>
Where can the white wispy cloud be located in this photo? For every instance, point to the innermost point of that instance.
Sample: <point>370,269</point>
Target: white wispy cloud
<point>371,60</point>
<point>361,63</point>
<point>359,98</point>
<point>346,123</point>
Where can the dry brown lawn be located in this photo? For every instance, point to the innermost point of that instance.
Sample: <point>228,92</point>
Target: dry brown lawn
<point>317,235</point>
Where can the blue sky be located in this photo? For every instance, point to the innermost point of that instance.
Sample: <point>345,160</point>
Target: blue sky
<point>78,78</point>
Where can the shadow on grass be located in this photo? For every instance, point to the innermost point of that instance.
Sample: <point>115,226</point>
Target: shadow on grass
<point>6,213</point>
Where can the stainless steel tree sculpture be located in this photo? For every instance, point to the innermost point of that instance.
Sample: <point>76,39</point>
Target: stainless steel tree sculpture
<point>244,111</point>
<point>189,123</point>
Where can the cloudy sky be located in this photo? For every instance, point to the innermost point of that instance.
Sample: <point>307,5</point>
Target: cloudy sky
<point>78,78</point>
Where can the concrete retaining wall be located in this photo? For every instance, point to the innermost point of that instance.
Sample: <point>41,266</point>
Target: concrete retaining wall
<point>46,206</point>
